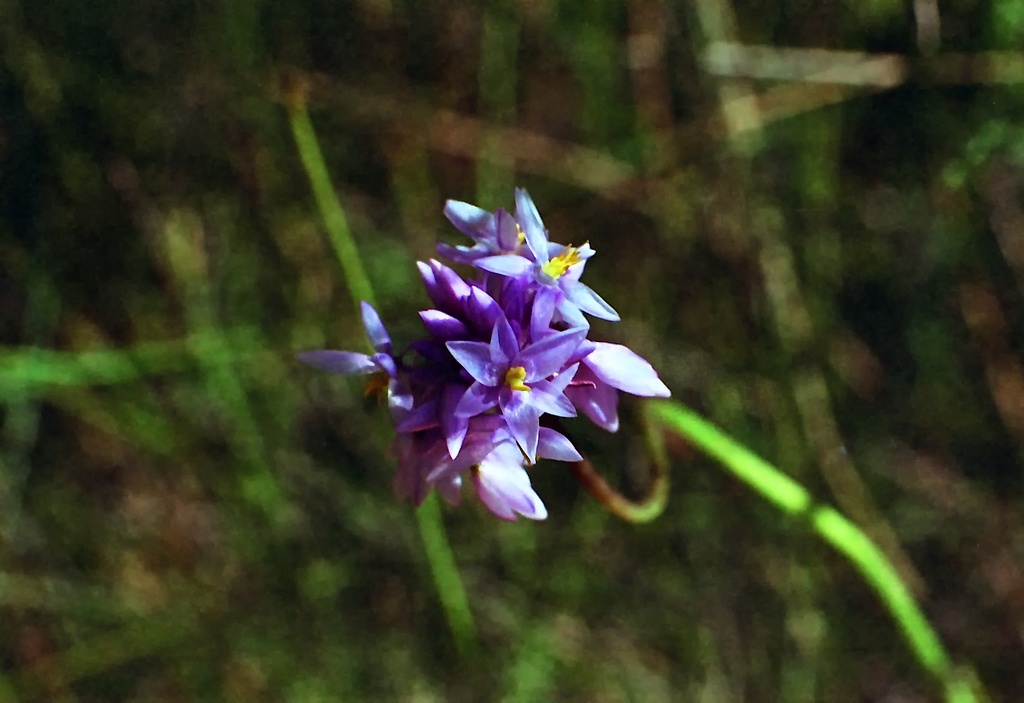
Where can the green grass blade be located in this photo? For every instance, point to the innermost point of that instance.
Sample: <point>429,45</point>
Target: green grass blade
<point>330,207</point>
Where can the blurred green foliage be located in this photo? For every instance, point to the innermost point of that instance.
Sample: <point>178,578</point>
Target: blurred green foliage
<point>822,250</point>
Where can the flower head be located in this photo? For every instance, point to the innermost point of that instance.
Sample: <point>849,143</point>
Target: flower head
<point>500,351</point>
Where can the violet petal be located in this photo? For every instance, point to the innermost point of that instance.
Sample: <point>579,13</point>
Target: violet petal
<point>556,446</point>
<point>469,219</point>
<point>504,264</point>
<point>442,325</point>
<point>478,398</point>
<point>340,362</point>
<point>622,368</point>
<point>379,337</point>
<point>523,420</point>
<point>583,297</point>
<point>548,356</point>
<point>475,357</point>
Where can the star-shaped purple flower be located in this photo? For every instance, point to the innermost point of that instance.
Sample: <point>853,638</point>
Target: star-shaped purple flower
<point>517,379</point>
<point>557,274</point>
<point>496,233</point>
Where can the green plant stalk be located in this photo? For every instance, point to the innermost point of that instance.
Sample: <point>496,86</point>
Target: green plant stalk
<point>330,207</point>
<point>443,569</point>
<point>828,524</point>
<point>445,573</point>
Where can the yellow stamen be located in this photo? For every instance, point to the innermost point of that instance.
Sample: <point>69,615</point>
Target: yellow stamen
<point>514,378</point>
<point>557,267</point>
<point>519,231</point>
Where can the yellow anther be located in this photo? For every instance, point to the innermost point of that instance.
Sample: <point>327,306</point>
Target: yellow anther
<point>514,378</point>
<point>557,266</point>
<point>519,232</point>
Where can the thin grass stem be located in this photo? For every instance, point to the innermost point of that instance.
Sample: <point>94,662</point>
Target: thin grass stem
<point>443,569</point>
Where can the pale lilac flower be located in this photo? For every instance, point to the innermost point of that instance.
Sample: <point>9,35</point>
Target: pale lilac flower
<point>492,455</point>
<point>556,269</point>
<point>498,233</point>
<point>494,234</point>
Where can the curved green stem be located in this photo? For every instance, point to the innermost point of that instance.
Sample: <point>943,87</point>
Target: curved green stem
<point>828,524</point>
<point>442,565</point>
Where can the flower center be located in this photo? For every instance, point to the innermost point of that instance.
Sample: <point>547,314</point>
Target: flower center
<point>514,378</point>
<point>557,266</point>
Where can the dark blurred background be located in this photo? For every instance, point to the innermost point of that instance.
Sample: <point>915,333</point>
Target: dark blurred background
<point>809,214</point>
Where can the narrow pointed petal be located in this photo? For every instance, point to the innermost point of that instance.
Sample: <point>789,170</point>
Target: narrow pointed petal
<point>543,311</point>
<point>508,234</point>
<point>386,363</point>
<point>504,345</point>
<point>477,399</point>
<point>469,219</point>
<point>430,282</point>
<point>599,403</point>
<point>475,357</point>
<point>563,379</point>
<point>453,426</point>
<point>581,295</point>
<point>585,251</point>
<point>379,337</point>
<point>582,351</point>
<point>481,311</point>
<point>504,486</point>
<point>549,355</point>
<point>340,362</point>
<point>548,398</point>
<point>523,421</point>
<point>570,313</point>
<point>492,495</point>
<point>622,368</point>
<point>505,264</point>
<point>451,290</point>
<point>443,326</point>
<point>533,226</point>
<point>461,254</point>
<point>556,446</point>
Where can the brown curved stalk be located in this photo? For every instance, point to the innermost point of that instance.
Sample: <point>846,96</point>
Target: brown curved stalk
<point>635,511</point>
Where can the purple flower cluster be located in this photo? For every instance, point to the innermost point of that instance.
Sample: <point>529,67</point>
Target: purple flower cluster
<point>501,351</point>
